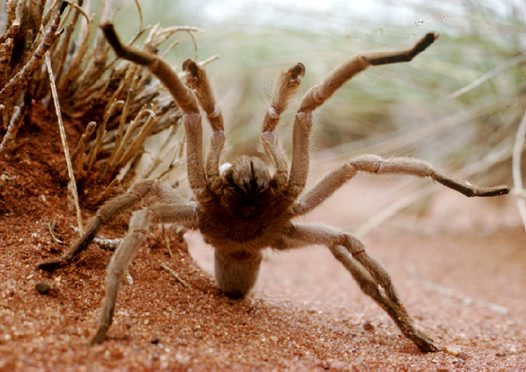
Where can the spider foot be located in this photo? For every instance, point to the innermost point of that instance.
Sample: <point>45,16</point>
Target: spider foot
<point>99,337</point>
<point>52,265</point>
<point>424,342</point>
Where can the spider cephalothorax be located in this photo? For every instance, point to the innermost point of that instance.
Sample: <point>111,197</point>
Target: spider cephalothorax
<point>242,208</point>
<point>248,188</point>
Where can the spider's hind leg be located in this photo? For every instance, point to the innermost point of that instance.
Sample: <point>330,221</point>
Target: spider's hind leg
<point>389,301</point>
<point>371,277</point>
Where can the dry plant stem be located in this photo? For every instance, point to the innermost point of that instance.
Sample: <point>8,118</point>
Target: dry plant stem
<point>75,67</point>
<point>392,142</point>
<point>175,152</point>
<point>6,51</point>
<point>135,147</point>
<point>72,182</point>
<point>167,267</point>
<point>122,151</point>
<point>391,210</point>
<point>139,11</point>
<point>14,124</point>
<point>3,117</point>
<point>20,79</point>
<point>131,72</point>
<point>61,48</point>
<point>516,167</point>
<point>519,193</point>
<point>99,54</point>
<point>120,129</point>
<point>79,155</point>
<point>51,9</point>
<point>11,12</point>
<point>100,133</point>
<point>107,244</point>
<point>465,299</point>
<point>167,241</point>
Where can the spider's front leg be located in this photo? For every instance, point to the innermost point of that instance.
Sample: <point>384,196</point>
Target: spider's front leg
<point>197,80</point>
<point>140,224</point>
<point>318,94</point>
<point>288,84</point>
<point>373,280</point>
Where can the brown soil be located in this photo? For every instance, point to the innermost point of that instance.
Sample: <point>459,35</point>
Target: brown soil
<point>461,271</point>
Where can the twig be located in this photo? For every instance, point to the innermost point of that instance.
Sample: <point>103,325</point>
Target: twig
<point>75,65</point>
<point>194,43</point>
<point>72,182</point>
<point>136,145</point>
<point>516,167</point>
<point>101,130</point>
<point>122,150</point>
<point>167,241</point>
<point>139,10</point>
<point>21,78</point>
<point>174,274</point>
<point>50,228</point>
<point>12,129</point>
<point>78,155</point>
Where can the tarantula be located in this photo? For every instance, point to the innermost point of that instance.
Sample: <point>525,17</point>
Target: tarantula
<point>242,208</point>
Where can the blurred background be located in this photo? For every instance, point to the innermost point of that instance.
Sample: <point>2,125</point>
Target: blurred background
<point>458,105</point>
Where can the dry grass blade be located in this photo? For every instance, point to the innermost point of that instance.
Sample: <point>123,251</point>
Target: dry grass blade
<point>489,75</point>
<point>62,131</point>
<point>19,81</point>
<point>79,156</point>
<point>392,209</point>
<point>166,267</point>
<point>12,129</point>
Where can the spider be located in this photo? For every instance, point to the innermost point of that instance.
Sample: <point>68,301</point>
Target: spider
<point>243,207</point>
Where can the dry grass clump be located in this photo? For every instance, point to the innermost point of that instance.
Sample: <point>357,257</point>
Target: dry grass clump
<point>114,106</point>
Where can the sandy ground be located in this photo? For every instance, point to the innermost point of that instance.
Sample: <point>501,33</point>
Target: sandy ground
<point>461,271</point>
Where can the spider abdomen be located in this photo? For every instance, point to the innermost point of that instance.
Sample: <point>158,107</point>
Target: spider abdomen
<point>236,272</point>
